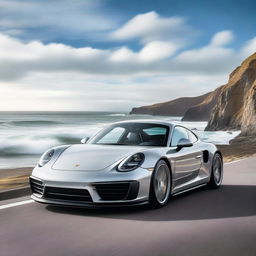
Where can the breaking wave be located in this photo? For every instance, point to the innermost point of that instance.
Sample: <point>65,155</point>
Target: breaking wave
<point>31,123</point>
<point>118,114</point>
<point>25,136</point>
<point>33,145</point>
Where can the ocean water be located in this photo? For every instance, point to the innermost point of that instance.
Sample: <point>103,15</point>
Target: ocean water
<point>24,136</point>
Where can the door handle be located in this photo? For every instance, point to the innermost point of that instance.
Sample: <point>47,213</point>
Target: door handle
<point>198,157</point>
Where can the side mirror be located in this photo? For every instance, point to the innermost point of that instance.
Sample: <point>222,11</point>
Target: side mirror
<point>182,143</point>
<point>84,140</point>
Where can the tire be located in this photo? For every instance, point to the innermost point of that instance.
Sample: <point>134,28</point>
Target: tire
<point>216,171</point>
<point>160,186</point>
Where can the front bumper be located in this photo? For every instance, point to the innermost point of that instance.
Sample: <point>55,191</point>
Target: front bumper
<point>89,205</point>
<point>90,192</point>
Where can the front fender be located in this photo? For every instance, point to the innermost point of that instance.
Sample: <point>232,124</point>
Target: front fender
<point>152,157</point>
<point>57,152</point>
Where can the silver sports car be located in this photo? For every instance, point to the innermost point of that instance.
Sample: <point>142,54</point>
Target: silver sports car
<point>127,163</point>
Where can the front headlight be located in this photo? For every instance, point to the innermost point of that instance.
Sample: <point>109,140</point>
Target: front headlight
<point>46,157</point>
<point>131,163</point>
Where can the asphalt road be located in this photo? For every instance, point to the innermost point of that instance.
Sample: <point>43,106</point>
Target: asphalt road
<point>203,222</point>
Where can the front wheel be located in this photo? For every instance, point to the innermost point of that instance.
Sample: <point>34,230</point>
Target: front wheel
<point>160,187</point>
<point>217,171</point>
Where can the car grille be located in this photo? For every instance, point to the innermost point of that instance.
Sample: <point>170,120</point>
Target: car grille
<point>117,190</point>
<point>36,186</point>
<point>67,194</point>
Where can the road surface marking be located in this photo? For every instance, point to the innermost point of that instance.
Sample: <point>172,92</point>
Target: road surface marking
<point>238,160</point>
<point>16,204</point>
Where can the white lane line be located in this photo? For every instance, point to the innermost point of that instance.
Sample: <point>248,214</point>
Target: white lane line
<point>235,161</point>
<point>238,160</point>
<point>15,204</point>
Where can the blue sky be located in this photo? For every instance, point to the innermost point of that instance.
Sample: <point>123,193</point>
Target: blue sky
<point>92,55</point>
<point>206,16</point>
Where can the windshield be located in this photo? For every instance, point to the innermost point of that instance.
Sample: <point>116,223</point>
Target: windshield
<point>142,134</point>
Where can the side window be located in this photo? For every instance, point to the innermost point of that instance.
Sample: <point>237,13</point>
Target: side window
<point>155,131</point>
<point>178,133</point>
<point>192,136</point>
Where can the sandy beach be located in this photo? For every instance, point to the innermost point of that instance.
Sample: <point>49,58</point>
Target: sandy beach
<point>14,178</point>
<point>238,151</point>
<point>18,177</point>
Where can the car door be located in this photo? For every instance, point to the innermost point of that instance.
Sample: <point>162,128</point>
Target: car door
<point>187,161</point>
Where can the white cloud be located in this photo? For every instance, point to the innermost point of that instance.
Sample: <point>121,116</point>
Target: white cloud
<point>19,59</point>
<point>212,58</point>
<point>70,91</point>
<point>153,51</point>
<point>157,50</point>
<point>150,26</point>
<point>222,38</point>
<point>39,76</point>
<point>47,19</point>
<point>249,48</point>
<point>55,76</point>
<point>122,55</point>
<point>206,57</point>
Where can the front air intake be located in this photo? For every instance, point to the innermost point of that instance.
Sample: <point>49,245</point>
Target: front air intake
<point>111,191</point>
<point>36,186</point>
<point>67,194</point>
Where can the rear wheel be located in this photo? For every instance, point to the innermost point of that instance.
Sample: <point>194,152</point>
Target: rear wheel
<point>160,187</point>
<point>217,171</point>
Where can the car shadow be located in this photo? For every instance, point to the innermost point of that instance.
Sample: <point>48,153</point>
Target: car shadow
<point>228,201</point>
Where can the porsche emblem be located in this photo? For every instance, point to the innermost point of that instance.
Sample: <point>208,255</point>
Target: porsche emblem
<point>77,165</point>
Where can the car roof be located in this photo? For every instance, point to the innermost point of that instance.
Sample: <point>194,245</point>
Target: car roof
<point>148,121</point>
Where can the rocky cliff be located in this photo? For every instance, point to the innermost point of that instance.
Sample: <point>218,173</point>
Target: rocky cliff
<point>236,104</point>
<point>203,110</point>
<point>177,107</point>
<point>230,106</point>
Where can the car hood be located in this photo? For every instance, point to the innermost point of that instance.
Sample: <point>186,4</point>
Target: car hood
<point>91,157</point>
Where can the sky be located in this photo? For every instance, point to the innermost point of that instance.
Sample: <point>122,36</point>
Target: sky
<point>112,55</point>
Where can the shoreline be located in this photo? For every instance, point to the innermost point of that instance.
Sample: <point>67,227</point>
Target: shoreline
<point>11,178</point>
<point>235,151</point>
